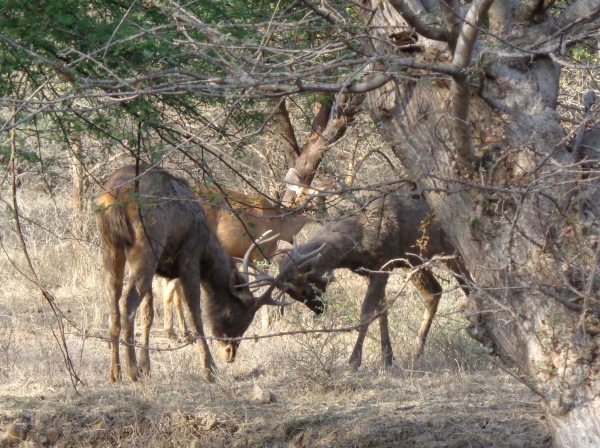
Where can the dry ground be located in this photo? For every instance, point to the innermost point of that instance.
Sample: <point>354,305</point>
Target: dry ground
<point>452,398</point>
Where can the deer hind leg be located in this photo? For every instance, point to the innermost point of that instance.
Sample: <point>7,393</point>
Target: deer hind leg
<point>387,354</point>
<point>169,287</point>
<point>147,314</point>
<point>115,271</point>
<point>189,279</point>
<point>431,291</point>
<point>141,272</point>
<point>371,305</point>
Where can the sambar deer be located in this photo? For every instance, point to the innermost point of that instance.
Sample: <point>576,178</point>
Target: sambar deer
<point>152,221</point>
<point>388,230</point>
<point>238,219</point>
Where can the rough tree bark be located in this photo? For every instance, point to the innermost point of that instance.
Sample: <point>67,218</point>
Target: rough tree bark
<point>479,133</point>
<point>284,130</point>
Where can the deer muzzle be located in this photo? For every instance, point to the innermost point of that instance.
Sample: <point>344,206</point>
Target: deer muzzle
<point>228,350</point>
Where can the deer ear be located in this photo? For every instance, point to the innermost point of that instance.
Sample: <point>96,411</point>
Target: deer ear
<point>283,250</point>
<point>293,182</point>
<point>235,280</point>
<point>284,246</point>
<point>309,266</point>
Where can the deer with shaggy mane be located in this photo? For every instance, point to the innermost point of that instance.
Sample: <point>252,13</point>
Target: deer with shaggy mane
<point>152,220</point>
<point>389,232</point>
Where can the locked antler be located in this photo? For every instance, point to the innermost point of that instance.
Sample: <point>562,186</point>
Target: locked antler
<point>264,279</point>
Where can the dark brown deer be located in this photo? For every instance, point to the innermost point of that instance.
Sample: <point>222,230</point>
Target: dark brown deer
<point>238,219</point>
<point>153,222</point>
<point>389,229</point>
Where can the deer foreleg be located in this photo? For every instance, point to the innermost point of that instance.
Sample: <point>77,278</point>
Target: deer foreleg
<point>371,305</point>
<point>431,291</point>
<point>147,313</point>
<point>140,284</point>
<point>387,355</point>
<point>172,293</point>
<point>115,271</point>
<point>190,287</point>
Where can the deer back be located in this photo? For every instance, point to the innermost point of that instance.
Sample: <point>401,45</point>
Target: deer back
<point>389,228</point>
<point>239,219</point>
<point>156,210</point>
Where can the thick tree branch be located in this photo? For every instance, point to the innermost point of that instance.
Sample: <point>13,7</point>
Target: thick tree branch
<point>325,14</point>
<point>411,63</point>
<point>461,88</point>
<point>329,125</point>
<point>452,21</point>
<point>375,82</point>
<point>285,131</point>
<point>413,20</point>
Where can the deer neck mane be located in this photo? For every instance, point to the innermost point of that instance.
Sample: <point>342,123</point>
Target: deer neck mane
<point>343,244</point>
<point>215,272</point>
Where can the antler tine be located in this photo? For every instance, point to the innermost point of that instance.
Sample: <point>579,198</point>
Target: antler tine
<point>301,260</point>
<point>265,298</point>
<point>257,268</point>
<point>259,240</point>
<point>306,262</point>
<point>260,281</point>
<point>249,251</point>
<point>252,265</point>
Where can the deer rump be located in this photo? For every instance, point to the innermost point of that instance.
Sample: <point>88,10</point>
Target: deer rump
<point>389,232</point>
<point>157,213</point>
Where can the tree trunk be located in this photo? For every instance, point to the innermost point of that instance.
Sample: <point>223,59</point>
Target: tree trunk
<point>284,131</point>
<point>535,267</point>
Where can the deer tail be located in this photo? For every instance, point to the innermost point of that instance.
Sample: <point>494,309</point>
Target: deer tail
<point>115,229</point>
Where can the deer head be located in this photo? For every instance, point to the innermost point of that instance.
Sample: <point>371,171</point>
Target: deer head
<point>229,323</point>
<point>313,198</point>
<point>303,273</point>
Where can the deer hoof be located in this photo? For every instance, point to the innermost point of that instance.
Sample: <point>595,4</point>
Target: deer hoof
<point>210,369</point>
<point>417,354</point>
<point>114,374</point>
<point>144,365</point>
<point>133,374</point>
<point>171,334</point>
<point>186,337</point>
<point>210,373</point>
<point>388,360</point>
<point>355,363</point>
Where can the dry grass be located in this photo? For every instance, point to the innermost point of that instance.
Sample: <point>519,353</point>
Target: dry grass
<point>451,398</point>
